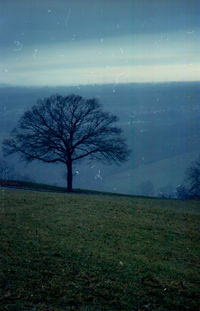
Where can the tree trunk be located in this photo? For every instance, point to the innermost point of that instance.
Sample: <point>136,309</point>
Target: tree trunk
<point>69,177</point>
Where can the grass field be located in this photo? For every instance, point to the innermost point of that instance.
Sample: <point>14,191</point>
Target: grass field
<point>97,252</point>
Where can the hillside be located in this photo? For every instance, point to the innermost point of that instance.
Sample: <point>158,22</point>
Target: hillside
<point>160,122</point>
<point>97,252</point>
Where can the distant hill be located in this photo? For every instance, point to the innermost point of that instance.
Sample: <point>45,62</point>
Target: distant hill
<point>160,122</point>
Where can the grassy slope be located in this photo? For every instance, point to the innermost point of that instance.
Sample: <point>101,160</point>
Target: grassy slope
<point>97,252</point>
<point>30,185</point>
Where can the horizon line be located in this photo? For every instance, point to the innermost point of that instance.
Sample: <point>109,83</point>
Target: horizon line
<point>97,84</point>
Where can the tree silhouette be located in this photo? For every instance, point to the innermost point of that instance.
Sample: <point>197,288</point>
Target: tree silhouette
<point>67,129</point>
<point>190,189</point>
<point>193,177</point>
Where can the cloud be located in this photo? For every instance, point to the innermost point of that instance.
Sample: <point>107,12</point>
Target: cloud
<point>159,57</point>
<point>48,21</point>
<point>108,74</point>
<point>56,42</point>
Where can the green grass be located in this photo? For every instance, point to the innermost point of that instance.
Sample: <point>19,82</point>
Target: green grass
<point>97,252</point>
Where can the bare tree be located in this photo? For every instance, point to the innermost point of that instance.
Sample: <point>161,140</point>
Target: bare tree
<point>67,129</point>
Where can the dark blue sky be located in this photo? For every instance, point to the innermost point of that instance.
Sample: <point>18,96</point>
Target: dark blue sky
<point>52,42</point>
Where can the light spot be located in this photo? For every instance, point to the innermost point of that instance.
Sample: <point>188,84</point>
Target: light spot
<point>68,17</point>
<point>35,52</point>
<point>18,45</point>
<point>190,32</point>
<point>98,176</point>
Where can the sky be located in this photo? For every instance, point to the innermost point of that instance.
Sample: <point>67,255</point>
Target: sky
<point>74,42</point>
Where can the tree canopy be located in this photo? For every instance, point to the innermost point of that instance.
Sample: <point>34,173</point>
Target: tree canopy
<point>191,188</point>
<point>67,129</point>
<point>193,177</point>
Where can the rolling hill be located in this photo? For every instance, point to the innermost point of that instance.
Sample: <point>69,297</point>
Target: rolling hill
<point>98,252</point>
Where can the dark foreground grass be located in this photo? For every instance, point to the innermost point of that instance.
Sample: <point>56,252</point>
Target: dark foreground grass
<point>95,252</point>
<point>25,185</point>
